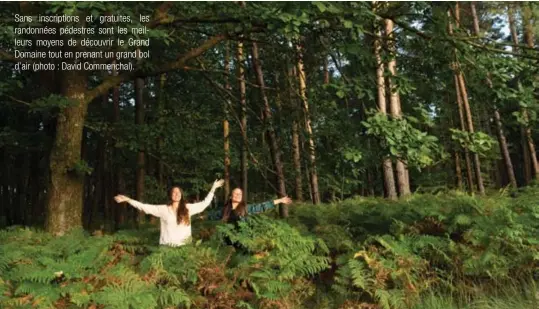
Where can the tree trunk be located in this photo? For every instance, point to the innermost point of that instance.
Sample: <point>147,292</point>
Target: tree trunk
<point>308,128</point>
<point>99,197</point>
<point>22,187</point>
<point>531,147</point>
<point>106,184</point>
<point>467,111</point>
<point>370,184</point>
<point>505,150</point>
<point>525,151</point>
<point>276,152</point>
<point>243,105</point>
<point>279,104</point>
<point>160,141</point>
<point>527,163</point>
<point>499,127</point>
<point>458,171</point>
<point>120,211</point>
<point>387,166</point>
<point>528,36</point>
<point>140,168</point>
<point>98,184</point>
<point>6,192</point>
<point>469,120</point>
<point>65,190</point>
<point>467,157</point>
<point>296,148</point>
<point>226,130</point>
<point>395,108</point>
<point>306,169</point>
<point>35,213</point>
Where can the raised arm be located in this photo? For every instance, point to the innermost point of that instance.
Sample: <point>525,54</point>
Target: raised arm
<point>154,210</point>
<point>261,207</point>
<point>199,207</point>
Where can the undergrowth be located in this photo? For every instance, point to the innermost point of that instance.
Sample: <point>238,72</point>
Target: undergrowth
<point>443,251</point>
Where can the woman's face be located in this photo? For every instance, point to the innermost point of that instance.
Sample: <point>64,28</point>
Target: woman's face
<point>237,196</point>
<point>176,194</point>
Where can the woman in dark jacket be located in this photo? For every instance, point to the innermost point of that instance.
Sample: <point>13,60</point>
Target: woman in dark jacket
<point>236,209</point>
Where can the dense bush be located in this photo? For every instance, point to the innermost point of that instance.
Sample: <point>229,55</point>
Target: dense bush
<point>360,253</point>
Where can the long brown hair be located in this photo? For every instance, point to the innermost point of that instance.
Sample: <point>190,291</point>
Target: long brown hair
<point>241,209</point>
<point>182,214</point>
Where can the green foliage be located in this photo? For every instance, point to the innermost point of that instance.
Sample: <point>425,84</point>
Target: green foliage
<point>388,253</point>
<point>400,139</point>
<point>276,258</point>
<point>478,142</point>
<point>402,250</point>
<point>127,270</point>
<point>380,252</point>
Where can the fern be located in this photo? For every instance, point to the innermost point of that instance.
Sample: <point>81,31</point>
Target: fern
<point>383,253</point>
<point>130,294</point>
<point>172,296</point>
<point>44,295</point>
<point>383,298</point>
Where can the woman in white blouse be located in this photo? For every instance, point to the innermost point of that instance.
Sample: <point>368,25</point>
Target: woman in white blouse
<point>176,216</point>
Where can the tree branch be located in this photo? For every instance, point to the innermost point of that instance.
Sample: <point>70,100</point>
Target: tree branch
<point>223,93</point>
<point>112,81</point>
<point>452,41</point>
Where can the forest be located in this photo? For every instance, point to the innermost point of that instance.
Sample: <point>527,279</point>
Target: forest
<point>403,132</point>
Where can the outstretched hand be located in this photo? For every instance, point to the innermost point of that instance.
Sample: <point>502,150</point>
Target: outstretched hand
<point>121,198</point>
<point>285,200</point>
<point>218,183</point>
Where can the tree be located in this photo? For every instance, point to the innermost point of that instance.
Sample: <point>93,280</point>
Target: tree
<point>463,94</point>
<point>499,127</point>
<point>395,107</point>
<point>387,166</point>
<point>308,127</point>
<point>268,122</point>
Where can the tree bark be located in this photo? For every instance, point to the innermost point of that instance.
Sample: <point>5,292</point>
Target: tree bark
<point>467,157</point>
<point>395,108</point>
<point>226,129</point>
<point>120,211</point>
<point>65,190</point>
<point>22,187</point>
<point>505,150</point>
<point>108,193</point>
<point>308,127</point>
<point>243,105</point>
<point>458,171</point>
<point>296,152</point>
<point>160,141</point>
<point>141,160</point>
<point>387,166</point>
<point>468,112</point>
<point>274,147</point>
<point>99,197</point>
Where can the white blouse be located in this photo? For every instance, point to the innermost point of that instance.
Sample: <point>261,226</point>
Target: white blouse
<point>172,233</point>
